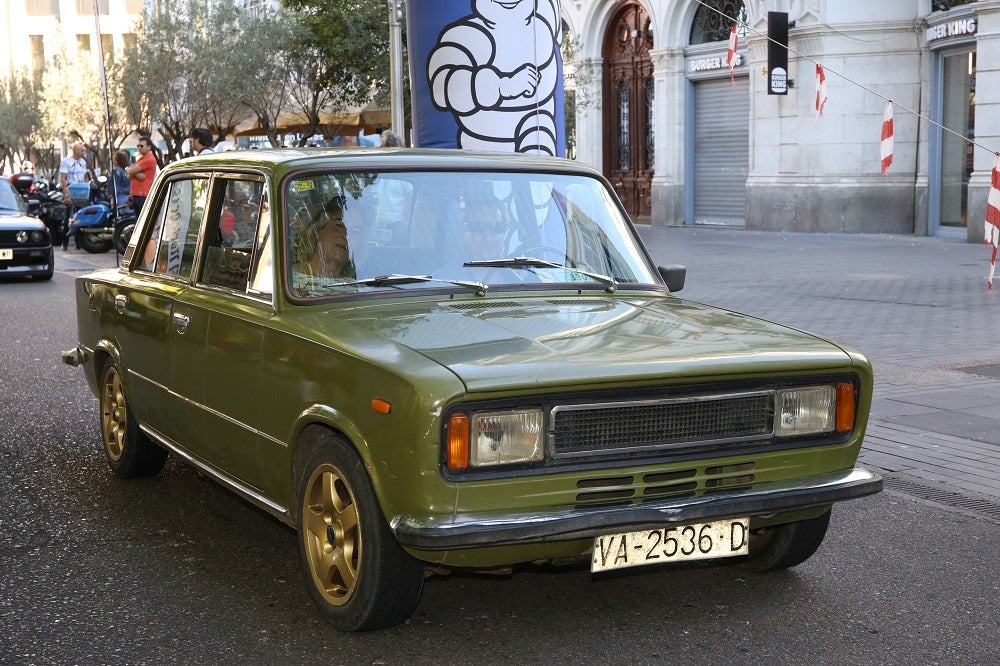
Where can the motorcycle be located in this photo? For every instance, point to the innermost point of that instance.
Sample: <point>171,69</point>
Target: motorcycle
<point>45,204</point>
<point>94,224</point>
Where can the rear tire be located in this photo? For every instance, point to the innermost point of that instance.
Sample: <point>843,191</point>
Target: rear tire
<point>128,451</point>
<point>357,574</point>
<point>785,546</point>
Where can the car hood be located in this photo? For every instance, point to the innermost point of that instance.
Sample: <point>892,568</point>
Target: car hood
<point>536,342</point>
<point>14,221</point>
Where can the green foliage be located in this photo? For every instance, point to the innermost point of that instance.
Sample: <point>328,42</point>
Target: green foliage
<point>19,119</point>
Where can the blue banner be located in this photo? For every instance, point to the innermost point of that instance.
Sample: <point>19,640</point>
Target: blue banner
<point>486,75</point>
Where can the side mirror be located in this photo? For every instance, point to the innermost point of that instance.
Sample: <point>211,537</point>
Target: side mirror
<point>673,276</point>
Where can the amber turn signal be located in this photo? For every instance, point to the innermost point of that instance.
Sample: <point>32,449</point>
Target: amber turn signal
<point>845,406</point>
<point>381,406</point>
<point>458,441</point>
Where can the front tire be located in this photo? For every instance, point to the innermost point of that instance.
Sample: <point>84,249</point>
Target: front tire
<point>785,546</point>
<point>128,451</point>
<point>356,573</point>
<point>91,244</point>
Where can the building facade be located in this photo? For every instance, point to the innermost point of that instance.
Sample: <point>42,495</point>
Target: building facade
<point>31,28</point>
<point>684,142</point>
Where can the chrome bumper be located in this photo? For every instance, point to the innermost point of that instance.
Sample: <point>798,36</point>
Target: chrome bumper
<point>495,529</point>
<point>75,357</point>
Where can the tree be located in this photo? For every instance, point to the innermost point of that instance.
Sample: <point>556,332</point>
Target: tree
<point>349,44</point>
<point>20,127</point>
<point>71,104</point>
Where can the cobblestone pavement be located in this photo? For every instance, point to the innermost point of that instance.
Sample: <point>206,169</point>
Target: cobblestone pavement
<point>918,307</point>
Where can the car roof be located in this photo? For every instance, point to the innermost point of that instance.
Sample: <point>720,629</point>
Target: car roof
<point>279,161</point>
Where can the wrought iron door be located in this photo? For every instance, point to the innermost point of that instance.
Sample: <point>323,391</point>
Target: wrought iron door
<point>628,108</point>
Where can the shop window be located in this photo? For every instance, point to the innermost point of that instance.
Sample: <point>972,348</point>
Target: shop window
<point>714,20</point>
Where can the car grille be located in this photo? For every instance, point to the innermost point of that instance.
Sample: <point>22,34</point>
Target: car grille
<point>646,426</point>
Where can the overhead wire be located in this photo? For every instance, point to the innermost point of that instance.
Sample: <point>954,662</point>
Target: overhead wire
<point>746,25</point>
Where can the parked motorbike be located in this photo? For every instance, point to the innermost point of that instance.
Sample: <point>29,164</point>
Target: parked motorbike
<point>48,206</point>
<point>94,224</point>
<point>44,203</point>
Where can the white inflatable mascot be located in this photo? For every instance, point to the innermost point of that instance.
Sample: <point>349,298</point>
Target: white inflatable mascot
<point>496,71</point>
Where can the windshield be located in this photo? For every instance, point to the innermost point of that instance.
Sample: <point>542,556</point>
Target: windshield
<point>10,200</point>
<point>477,229</point>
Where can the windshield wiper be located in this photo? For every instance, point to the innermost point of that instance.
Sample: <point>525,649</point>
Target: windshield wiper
<point>396,278</point>
<point>609,282</point>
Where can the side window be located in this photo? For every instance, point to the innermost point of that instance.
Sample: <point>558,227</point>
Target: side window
<point>171,248</point>
<point>236,235</point>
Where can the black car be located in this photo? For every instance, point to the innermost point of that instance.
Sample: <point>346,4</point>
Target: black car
<point>25,243</point>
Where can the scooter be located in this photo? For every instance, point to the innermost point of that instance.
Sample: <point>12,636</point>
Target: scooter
<point>94,224</point>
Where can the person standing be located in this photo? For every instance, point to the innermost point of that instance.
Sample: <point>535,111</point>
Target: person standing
<point>119,178</point>
<point>201,141</point>
<point>142,173</point>
<point>72,170</point>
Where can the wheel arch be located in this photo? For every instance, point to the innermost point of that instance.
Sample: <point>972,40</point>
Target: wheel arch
<point>311,428</point>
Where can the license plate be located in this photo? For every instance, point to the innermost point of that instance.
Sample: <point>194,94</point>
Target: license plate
<point>680,543</point>
<point>6,255</point>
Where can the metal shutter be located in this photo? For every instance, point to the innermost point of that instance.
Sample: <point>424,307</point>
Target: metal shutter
<point>721,150</point>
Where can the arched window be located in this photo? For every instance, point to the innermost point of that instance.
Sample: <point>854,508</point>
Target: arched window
<point>713,23</point>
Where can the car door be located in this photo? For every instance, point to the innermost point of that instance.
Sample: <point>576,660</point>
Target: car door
<point>231,303</point>
<point>160,340</point>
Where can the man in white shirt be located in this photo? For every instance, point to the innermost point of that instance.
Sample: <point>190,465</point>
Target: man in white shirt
<point>72,170</point>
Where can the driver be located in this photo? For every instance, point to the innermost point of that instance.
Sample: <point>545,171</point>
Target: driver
<point>484,230</point>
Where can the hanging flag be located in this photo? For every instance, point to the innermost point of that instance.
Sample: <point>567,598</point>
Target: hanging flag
<point>993,217</point>
<point>731,54</point>
<point>887,141</point>
<point>820,90</point>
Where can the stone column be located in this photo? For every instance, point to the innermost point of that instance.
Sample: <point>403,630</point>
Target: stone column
<point>667,188</point>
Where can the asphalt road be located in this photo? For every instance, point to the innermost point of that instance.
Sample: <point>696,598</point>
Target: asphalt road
<point>174,570</point>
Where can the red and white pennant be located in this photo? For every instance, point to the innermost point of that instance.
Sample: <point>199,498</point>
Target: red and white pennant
<point>993,217</point>
<point>731,54</point>
<point>885,148</point>
<point>820,90</point>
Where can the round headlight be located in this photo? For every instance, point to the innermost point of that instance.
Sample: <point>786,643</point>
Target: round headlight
<point>22,237</point>
<point>37,236</point>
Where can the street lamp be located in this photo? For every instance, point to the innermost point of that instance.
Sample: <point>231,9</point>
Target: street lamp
<point>396,68</point>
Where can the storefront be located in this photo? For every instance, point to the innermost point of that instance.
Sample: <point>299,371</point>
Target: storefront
<point>718,135</point>
<point>951,38</point>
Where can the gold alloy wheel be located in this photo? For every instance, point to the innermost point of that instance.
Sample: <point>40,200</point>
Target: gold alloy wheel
<point>114,415</point>
<point>331,534</point>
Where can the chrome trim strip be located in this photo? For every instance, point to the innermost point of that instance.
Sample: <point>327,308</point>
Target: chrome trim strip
<point>576,522</point>
<point>205,408</point>
<point>241,489</point>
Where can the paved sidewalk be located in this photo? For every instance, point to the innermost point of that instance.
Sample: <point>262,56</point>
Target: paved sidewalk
<point>918,307</point>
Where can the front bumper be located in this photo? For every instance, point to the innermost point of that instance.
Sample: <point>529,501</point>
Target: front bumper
<point>478,530</point>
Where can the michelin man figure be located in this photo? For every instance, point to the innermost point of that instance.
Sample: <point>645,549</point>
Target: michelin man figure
<point>496,71</point>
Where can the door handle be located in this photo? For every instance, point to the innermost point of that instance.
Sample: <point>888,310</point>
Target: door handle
<point>121,300</point>
<point>181,322</point>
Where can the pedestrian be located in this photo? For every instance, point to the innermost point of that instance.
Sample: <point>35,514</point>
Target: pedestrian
<point>72,170</point>
<point>142,173</point>
<point>201,141</point>
<point>119,178</point>
<point>391,140</point>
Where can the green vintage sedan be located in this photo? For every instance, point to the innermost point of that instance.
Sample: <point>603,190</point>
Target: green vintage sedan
<point>463,360</point>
